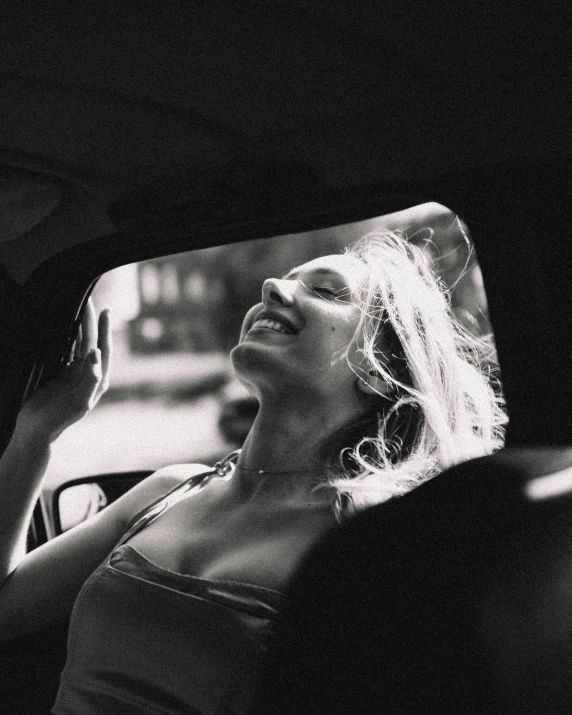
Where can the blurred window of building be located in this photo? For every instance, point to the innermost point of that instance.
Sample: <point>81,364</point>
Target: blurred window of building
<point>150,283</point>
<point>151,329</point>
<point>195,286</point>
<point>169,283</point>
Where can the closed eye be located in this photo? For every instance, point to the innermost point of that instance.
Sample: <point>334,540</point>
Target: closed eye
<point>327,291</point>
<point>330,293</point>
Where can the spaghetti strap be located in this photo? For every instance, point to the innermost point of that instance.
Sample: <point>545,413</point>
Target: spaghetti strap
<point>191,485</point>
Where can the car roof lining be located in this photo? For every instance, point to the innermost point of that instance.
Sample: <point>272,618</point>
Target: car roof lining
<point>144,108</point>
<point>247,200</point>
<point>26,199</point>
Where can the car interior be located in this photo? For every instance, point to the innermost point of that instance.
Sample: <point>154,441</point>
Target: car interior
<point>135,130</point>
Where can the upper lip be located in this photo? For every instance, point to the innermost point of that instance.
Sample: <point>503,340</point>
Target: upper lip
<point>275,315</point>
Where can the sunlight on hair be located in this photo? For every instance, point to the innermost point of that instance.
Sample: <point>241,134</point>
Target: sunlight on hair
<point>443,410</point>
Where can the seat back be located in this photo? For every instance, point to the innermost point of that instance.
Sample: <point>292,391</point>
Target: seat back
<point>456,598</point>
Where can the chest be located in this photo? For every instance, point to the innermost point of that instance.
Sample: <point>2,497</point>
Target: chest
<point>261,549</point>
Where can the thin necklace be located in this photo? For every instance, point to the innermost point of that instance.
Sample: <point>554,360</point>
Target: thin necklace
<point>225,465</point>
<point>273,473</point>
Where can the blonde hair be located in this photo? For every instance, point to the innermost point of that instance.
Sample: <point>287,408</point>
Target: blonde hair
<point>442,408</point>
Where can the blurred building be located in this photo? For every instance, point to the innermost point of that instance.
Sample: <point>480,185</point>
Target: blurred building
<point>179,298</point>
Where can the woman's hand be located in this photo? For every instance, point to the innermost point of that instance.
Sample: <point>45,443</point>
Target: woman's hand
<point>78,386</point>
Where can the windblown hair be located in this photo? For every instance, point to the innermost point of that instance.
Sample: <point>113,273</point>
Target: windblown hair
<point>442,408</point>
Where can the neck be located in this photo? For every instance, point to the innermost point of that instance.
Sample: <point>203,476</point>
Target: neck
<point>281,457</point>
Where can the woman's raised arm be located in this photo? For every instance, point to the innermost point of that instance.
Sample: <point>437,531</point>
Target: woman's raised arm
<point>55,406</point>
<point>52,408</point>
<point>39,589</point>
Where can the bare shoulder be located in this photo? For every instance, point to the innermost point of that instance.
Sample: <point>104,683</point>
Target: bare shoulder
<point>152,488</point>
<point>177,473</point>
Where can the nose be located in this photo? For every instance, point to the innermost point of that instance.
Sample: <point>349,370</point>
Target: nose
<point>277,291</point>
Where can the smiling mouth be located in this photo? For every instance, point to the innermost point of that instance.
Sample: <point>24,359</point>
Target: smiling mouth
<point>273,325</point>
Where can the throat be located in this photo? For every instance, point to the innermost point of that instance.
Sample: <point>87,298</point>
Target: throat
<point>282,456</point>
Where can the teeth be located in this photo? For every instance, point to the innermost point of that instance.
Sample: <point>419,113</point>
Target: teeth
<point>270,325</point>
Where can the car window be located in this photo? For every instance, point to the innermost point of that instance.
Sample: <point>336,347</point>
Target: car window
<point>172,397</point>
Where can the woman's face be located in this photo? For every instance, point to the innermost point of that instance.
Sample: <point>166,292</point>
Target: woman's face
<point>294,342</point>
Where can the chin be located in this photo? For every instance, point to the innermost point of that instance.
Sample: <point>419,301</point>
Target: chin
<point>254,366</point>
<point>244,359</point>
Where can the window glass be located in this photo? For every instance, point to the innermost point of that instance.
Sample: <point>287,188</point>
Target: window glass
<point>172,396</point>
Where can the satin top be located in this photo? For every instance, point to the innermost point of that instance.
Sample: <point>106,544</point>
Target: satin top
<point>144,639</point>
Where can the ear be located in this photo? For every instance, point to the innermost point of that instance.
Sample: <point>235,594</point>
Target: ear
<point>373,384</point>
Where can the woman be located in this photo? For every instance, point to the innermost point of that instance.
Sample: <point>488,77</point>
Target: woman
<point>366,388</point>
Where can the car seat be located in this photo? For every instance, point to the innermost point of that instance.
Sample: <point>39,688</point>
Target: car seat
<point>455,598</point>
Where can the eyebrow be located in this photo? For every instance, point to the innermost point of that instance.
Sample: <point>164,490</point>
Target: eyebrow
<point>317,271</point>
